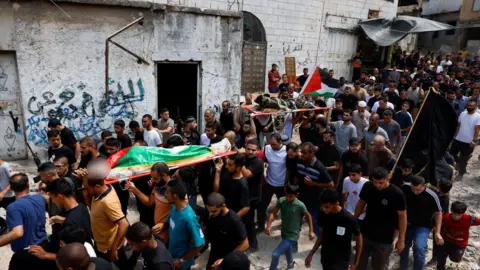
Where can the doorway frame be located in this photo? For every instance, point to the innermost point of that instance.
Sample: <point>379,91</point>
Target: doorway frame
<point>198,63</point>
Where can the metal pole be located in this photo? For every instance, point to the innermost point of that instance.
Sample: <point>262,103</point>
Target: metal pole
<point>410,132</point>
<point>126,27</point>
<point>106,67</point>
<point>130,52</point>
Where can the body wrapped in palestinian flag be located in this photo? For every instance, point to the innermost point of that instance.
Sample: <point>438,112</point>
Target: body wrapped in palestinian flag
<point>136,161</point>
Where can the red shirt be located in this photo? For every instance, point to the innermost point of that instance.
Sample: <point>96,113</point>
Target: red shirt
<point>457,232</point>
<point>273,75</point>
<point>260,155</point>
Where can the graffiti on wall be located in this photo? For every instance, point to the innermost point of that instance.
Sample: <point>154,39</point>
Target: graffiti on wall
<point>79,111</point>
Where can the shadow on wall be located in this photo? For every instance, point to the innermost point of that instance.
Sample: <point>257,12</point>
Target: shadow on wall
<point>80,112</point>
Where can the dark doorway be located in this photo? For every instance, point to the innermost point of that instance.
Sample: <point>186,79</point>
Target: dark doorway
<point>178,89</point>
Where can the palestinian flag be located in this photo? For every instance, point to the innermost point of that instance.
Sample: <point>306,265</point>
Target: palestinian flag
<point>136,161</point>
<point>319,83</point>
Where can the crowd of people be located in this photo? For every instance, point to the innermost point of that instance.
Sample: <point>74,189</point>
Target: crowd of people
<point>343,181</point>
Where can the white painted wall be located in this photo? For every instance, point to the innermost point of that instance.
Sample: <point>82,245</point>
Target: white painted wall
<point>61,63</point>
<point>431,7</point>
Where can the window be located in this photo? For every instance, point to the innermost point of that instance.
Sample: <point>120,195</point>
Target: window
<point>372,14</point>
<point>476,5</point>
<point>451,32</point>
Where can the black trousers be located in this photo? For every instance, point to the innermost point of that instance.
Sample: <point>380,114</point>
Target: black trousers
<point>249,220</point>
<point>23,260</point>
<point>127,259</point>
<point>461,152</point>
<point>452,251</point>
<point>267,193</point>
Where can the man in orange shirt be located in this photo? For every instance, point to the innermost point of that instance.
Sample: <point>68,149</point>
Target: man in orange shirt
<point>160,178</point>
<point>357,66</point>
<point>274,79</point>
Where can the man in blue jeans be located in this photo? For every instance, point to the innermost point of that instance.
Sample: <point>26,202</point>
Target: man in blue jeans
<point>293,211</point>
<point>422,204</point>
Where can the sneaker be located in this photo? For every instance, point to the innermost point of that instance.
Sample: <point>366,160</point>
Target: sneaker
<point>291,266</point>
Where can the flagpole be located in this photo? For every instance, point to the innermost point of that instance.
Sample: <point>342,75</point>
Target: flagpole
<point>410,132</point>
<point>309,77</point>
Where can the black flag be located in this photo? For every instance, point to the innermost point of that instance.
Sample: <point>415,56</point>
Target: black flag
<point>431,136</point>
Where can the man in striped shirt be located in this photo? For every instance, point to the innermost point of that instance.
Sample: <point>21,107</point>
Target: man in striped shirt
<point>422,205</point>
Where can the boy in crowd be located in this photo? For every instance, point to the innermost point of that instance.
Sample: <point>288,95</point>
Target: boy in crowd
<point>455,232</point>
<point>136,130</point>
<point>105,135</point>
<point>338,227</point>
<point>352,185</point>
<point>57,149</point>
<point>124,139</point>
<point>293,211</point>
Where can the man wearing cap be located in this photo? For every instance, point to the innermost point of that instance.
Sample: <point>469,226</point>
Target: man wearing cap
<point>354,155</point>
<point>360,92</point>
<point>274,79</point>
<point>360,118</point>
<point>393,130</point>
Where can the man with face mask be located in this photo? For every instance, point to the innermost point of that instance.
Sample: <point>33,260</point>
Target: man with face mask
<point>154,253</point>
<point>466,137</point>
<point>422,205</point>
<point>225,230</point>
<point>160,179</point>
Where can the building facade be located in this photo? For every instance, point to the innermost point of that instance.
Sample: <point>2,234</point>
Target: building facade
<point>188,56</point>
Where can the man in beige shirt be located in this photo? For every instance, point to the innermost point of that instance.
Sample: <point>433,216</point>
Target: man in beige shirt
<point>360,92</point>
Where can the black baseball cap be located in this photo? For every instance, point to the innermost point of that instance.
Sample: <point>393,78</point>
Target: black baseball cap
<point>354,141</point>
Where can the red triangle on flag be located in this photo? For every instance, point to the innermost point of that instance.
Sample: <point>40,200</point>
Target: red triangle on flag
<point>313,83</point>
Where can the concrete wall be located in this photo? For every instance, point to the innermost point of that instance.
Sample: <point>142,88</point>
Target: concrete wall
<point>440,6</point>
<point>466,12</point>
<point>61,62</point>
<point>445,43</point>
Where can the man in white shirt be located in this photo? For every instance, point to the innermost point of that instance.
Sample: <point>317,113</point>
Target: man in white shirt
<point>377,104</point>
<point>360,118</point>
<point>276,157</point>
<point>447,61</point>
<point>352,185</point>
<point>466,137</point>
<point>150,135</point>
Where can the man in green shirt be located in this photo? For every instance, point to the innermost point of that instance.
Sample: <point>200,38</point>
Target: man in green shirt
<point>292,212</point>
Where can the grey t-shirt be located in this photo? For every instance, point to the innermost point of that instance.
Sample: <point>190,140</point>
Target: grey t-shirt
<point>392,130</point>
<point>369,136</point>
<point>162,124</point>
<point>5,173</point>
<point>343,134</point>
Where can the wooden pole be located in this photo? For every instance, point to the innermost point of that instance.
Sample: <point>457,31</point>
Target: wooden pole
<point>410,131</point>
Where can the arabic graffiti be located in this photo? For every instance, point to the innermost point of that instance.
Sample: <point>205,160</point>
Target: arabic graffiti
<point>3,79</point>
<point>83,114</point>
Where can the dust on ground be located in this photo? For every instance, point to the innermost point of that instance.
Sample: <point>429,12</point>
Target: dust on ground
<point>466,190</point>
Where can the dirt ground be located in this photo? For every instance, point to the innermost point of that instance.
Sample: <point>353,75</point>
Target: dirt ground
<point>466,190</point>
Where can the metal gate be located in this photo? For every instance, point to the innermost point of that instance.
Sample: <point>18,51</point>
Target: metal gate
<point>253,67</point>
<point>341,48</point>
<point>12,132</point>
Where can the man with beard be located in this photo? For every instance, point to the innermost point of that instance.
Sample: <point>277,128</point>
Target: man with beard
<point>403,85</point>
<point>57,149</point>
<point>354,155</point>
<point>466,137</point>
<point>379,156</point>
<point>360,118</point>
<point>253,172</point>
<point>154,253</point>
<point>349,99</point>
<point>150,134</point>
<point>88,148</point>
<point>109,223</point>
<point>226,116</point>
<point>312,177</point>
<point>190,132</point>
<point>160,178</point>
<point>209,116</point>
<point>393,130</point>
<point>248,128</point>
<point>224,229</point>
<point>344,131</point>
<point>329,154</point>
<point>112,146</point>
<point>232,185</point>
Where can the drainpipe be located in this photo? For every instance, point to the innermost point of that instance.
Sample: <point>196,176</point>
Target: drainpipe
<point>109,40</point>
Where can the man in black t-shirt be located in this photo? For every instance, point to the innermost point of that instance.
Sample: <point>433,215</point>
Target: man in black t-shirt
<point>303,78</point>
<point>354,155</point>
<point>112,146</point>
<point>338,227</point>
<point>422,204</point>
<point>124,139</point>
<point>232,184</point>
<point>57,149</point>
<point>62,193</point>
<point>386,212</point>
<point>105,135</point>
<point>225,230</point>
<point>226,117</point>
<point>329,154</point>
<point>253,172</point>
<point>67,137</point>
<point>154,253</point>
<point>137,130</point>
<point>349,99</point>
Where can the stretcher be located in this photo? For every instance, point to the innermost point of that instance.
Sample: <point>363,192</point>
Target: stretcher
<point>252,110</point>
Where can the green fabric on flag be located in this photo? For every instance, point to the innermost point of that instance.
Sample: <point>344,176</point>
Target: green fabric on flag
<point>141,155</point>
<point>317,94</point>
